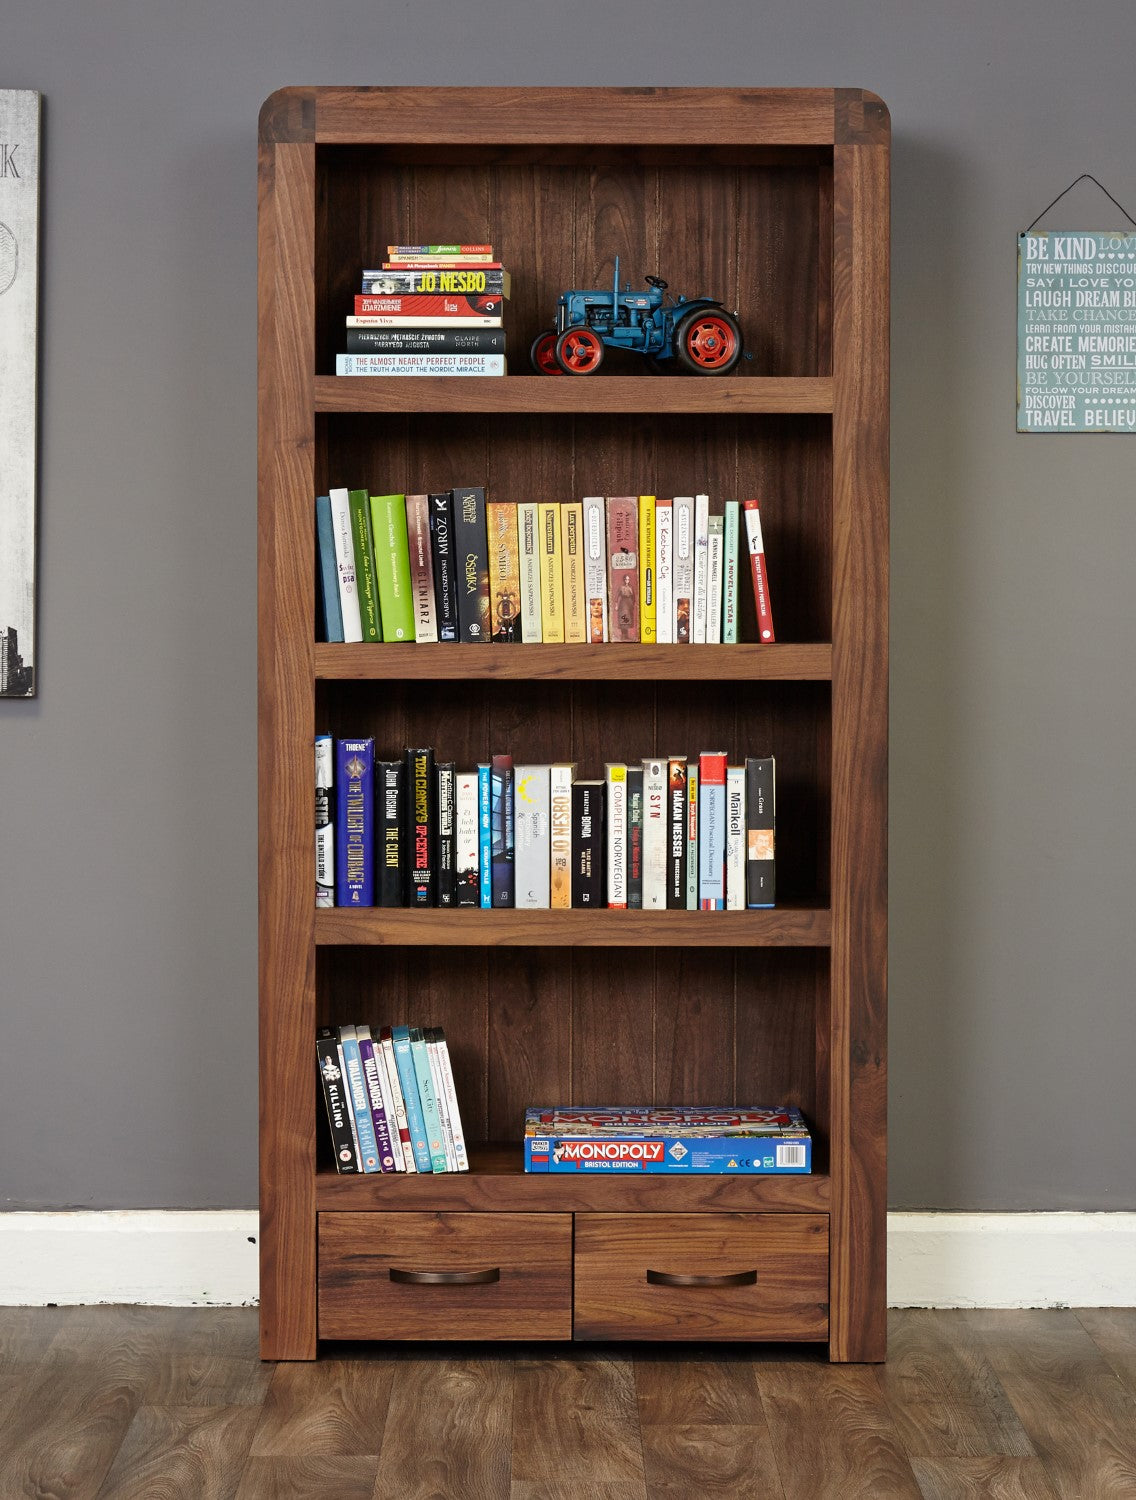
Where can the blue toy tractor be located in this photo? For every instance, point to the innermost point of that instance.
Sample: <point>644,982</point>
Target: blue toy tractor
<point>699,335</point>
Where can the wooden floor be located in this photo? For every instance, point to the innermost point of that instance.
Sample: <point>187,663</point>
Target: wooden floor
<point>156,1404</point>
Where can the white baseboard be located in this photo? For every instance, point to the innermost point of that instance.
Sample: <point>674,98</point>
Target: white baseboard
<point>189,1259</point>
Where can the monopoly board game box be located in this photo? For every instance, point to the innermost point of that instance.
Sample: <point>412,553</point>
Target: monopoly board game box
<point>613,1138</point>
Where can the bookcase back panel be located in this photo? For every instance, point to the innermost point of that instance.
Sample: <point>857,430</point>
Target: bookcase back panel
<point>752,230</point>
<point>783,461</point>
<point>532,1026</point>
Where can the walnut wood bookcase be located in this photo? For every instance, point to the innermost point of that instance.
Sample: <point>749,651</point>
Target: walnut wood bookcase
<point>777,202</point>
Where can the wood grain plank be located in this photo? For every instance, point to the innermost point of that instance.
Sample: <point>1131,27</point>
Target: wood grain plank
<point>994,1478</point>
<point>606,391</point>
<point>335,1408</point>
<point>715,1462</point>
<point>309,1478</point>
<point>182,1450</point>
<point>1113,1331</point>
<point>448,1430</point>
<point>575,1423</point>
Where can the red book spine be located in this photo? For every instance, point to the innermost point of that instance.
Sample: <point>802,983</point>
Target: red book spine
<point>759,571</point>
<point>430,304</point>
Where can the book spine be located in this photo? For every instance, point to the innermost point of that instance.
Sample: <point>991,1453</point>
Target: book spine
<point>375,1094</point>
<point>366,584</point>
<point>635,838</point>
<point>421,568</point>
<point>434,281</point>
<point>560,825</point>
<point>532,869</point>
<point>683,567</point>
<point>433,308</point>
<point>424,340</point>
<point>615,819</point>
<point>417,259</point>
<point>460,1150</point>
<point>439,1087</point>
<point>415,322</point>
<point>595,568</point>
<point>623,566</point>
<point>465,839</point>
<point>420,364</point>
<point>471,558</point>
<point>390,816</point>
<point>335,1101</point>
<point>701,568</point>
<point>528,547</point>
<point>412,1100</point>
<point>730,601</point>
<point>442,552</point>
<point>693,812</point>
<point>431,1118</point>
<point>712,831</point>
<point>551,571</point>
<point>397,252</point>
<point>392,564</point>
<point>501,796</point>
<point>447,882</point>
<point>761,817</point>
<point>354,832</point>
<point>654,835</point>
<point>325,828</point>
<point>332,612</point>
<point>504,571</point>
<point>758,571</point>
<point>347,1097</point>
<point>664,573</point>
<point>345,565</point>
<point>485,836</point>
<point>572,543</point>
<point>360,1101</point>
<point>421,829</point>
<point>648,573</point>
<point>735,838</point>
<point>677,816</point>
<point>587,844</point>
<point>714,581</point>
<point>405,1162</point>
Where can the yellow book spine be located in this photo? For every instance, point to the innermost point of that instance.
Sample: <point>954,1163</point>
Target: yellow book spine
<point>575,602</point>
<point>551,572</point>
<point>647,569</point>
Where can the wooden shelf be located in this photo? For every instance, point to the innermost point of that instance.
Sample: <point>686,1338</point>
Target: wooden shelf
<point>787,926</point>
<point>498,1182</point>
<point>610,663</point>
<point>548,395</point>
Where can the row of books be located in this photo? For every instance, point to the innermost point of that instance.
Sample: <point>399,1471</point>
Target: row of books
<point>663,834</point>
<point>453,566</point>
<point>390,1099</point>
<point>430,310</point>
<point>739,1141</point>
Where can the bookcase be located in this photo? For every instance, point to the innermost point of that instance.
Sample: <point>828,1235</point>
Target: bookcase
<point>775,201</point>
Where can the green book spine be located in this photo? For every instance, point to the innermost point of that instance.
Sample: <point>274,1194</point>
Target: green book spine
<point>392,566</point>
<point>730,593</point>
<point>435,1140</point>
<point>366,583</point>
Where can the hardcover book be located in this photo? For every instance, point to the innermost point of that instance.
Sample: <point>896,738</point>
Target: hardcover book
<point>421,568</point>
<point>325,829</point>
<point>647,573</point>
<point>623,566</point>
<point>360,1099</point>
<point>595,567</point>
<point>465,840</point>
<point>345,564</point>
<point>758,571</point>
<point>560,820</point>
<point>615,818</point>
<point>551,572</point>
<point>504,571</point>
<point>390,821</point>
<point>532,834</point>
<point>575,598</point>
<point>330,612</point>
<point>701,568</point>
<point>421,829</point>
<point>737,1142</point>
<point>735,838</point>
<point>655,835</point>
<point>471,555</point>
<point>634,838</point>
<point>442,552</point>
<point>714,581</point>
<point>730,557</point>
<point>335,1101</point>
<point>677,821</point>
<point>447,773</point>
<point>761,817</point>
<point>366,584</point>
<point>588,859</point>
<point>528,546</point>
<point>682,567</point>
<point>502,829</point>
<point>664,573</point>
<point>354,822</point>
<point>392,564</point>
<point>712,831</point>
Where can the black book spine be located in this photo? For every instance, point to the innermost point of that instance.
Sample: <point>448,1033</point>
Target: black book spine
<point>501,831</point>
<point>425,341</point>
<point>589,861</point>
<point>336,1100</point>
<point>676,834</point>
<point>445,845</point>
<point>471,566</point>
<point>445,580</point>
<point>421,829</point>
<point>634,838</point>
<point>761,803</point>
<point>391,840</point>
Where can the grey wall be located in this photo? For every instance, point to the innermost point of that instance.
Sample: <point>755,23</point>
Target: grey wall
<point>127,817</point>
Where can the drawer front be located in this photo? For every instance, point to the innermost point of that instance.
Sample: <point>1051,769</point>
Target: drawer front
<point>445,1276</point>
<point>701,1276</point>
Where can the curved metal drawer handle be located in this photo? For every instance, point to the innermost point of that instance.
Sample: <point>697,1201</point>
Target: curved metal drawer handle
<point>727,1278</point>
<point>445,1278</point>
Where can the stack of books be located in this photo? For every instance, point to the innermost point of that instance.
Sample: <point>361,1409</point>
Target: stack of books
<point>454,566</point>
<point>678,1139</point>
<point>390,1098</point>
<point>666,833</point>
<point>430,310</point>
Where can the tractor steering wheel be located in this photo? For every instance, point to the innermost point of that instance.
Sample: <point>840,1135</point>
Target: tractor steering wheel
<point>657,282</point>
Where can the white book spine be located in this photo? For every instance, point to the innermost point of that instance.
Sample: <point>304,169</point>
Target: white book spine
<point>616,818</point>
<point>683,553</point>
<point>461,1155</point>
<point>532,839</point>
<point>595,566</point>
<point>466,852</point>
<point>560,829</point>
<point>664,577</point>
<point>408,1162</point>
<point>345,565</point>
<point>420,364</point>
<point>529,554</point>
<point>417,320</point>
<point>714,582</point>
<point>654,835</point>
<point>432,1057</point>
<point>701,568</point>
<point>735,838</point>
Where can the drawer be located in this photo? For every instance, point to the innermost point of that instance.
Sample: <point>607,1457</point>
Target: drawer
<point>445,1276</point>
<point>701,1276</point>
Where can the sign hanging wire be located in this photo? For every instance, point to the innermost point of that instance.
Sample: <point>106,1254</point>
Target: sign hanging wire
<point>1070,188</point>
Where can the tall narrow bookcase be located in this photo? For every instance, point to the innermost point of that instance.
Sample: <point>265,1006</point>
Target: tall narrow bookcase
<point>775,201</point>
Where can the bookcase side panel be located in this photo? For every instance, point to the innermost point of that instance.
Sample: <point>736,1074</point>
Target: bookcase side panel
<point>286,772</point>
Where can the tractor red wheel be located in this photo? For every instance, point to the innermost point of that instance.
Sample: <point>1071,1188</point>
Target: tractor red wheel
<point>579,351</point>
<point>543,353</point>
<point>708,342</point>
